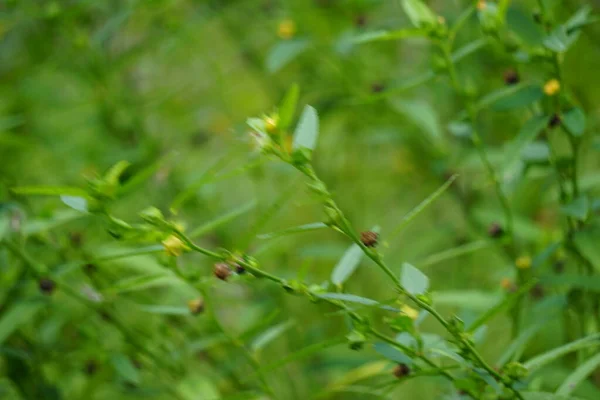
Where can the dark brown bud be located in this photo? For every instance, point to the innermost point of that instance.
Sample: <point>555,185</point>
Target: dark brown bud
<point>76,239</point>
<point>47,286</point>
<point>196,306</point>
<point>90,367</point>
<point>360,20</point>
<point>377,87</point>
<point>239,269</point>
<point>554,121</point>
<point>495,231</point>
<point>222,271</point>
<point>401,370</point>
<point>537,292</point>
<point>89,268</point>
<point>559,266</point>
<point>369,238</point>
<point>511,77</point>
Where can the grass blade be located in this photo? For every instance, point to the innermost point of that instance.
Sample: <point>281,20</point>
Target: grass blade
<point>548,357</point>
<point>581,373</point>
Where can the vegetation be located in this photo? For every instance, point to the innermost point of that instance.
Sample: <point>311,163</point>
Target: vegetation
<point>327,200</point>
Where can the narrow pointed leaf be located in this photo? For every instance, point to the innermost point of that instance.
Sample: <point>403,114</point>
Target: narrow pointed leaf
<point>307,131</point>
<point>347,265</point>
<point>413,280</point>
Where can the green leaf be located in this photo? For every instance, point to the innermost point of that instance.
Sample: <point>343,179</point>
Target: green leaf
<point>518,343</point>
<point>18,315</point>
<point>49,191</point>
<point>164,309</point>
<point>536,152</point>
<point>574,120</point>
<point>125,368</point>
<point>269,335</point>
<point>526,135</point>
<point>307,130</point>
<point>587,241</point>
<point>75,202</point>
<point>378,36</point>
<point>423,116</point>
<point>548,357</point>
<point>591,283</point>
<point>287,108</point>
<point>580,373</point>
<point>347,265</point>
<point>142,282</point>
<point>296,229</point>
<point>284,52</point>
<point>355,299</point>
<point>519,96</point>
<point>578,208</point>
<point>563,36</point>
<point>392,353</point>
<point>419,14</point>
<point>414,281</point>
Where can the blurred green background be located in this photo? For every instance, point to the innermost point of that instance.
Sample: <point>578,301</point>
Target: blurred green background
<point>167,85</point>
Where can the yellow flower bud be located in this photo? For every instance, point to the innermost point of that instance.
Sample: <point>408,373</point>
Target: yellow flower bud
<point>286,29</point>
<point>196,306</point>
<point>271,123</point>
<point>409,311</point>
<point>552,87</point>
<point>174,246</point>
<point>523,262</point>
<point>481,5</point>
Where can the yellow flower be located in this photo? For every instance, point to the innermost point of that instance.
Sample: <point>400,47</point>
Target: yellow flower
<point>409,311</point>
<point>271,123</point>
<point>552,87</point>
<point>523,262</point>
<point>481,5</point>
<point>286,29</point>
<point>174,246</point>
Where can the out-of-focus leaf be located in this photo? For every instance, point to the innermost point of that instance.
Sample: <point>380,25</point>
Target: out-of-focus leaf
<point>581,372</point>
<point>587,243</point>
<point>307,130</point>
<point>296,229</point>
<point>526,135</point>
<point>536,152</point>
<point>164,309</point>
<point>284,52</point>
<point>513,97</point>
<point>546,396</point>
<point>49,191</point>
<point>414,281</point>
<point>392,353</point>
<point>356,299</point>
<point>548,357</point>
<point>574,120</point>
<point>467,299</point>
<point>222,219</point>
<point>419,14</point>
<point>563,36</point>
<point>578,208</point>
<point>347,265</point>
<point>377,36</point>
<point>19,314</point>
<point>143,282</point>
<point>423,116</point>
<point>125,368</point>
<point>287,108</point>
<point>40,225</point>
<point>75,202</point>
<point>269,335</point>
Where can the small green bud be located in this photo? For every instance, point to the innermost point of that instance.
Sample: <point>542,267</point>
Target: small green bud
<point>515,370</point>
<point>152,215</point>
<point>356,340</point>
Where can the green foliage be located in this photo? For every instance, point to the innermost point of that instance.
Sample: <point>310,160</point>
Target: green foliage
<point>146,250</point>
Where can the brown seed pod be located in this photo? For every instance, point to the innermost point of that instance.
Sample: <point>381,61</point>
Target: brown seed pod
<point>90,367</point>
<point>196,306</point>
<point>222,271</point>
<point>511,77</point>
<point>401,370</point>
<point>369,238</point>
<point>377,87</point>
<point>495,231</point>
<point>47,286</point>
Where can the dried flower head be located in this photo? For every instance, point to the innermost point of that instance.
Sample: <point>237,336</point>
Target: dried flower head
<point>222,271</point>
<point>401,370</point>
<point>369,238</point>
<point>511,77</point>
